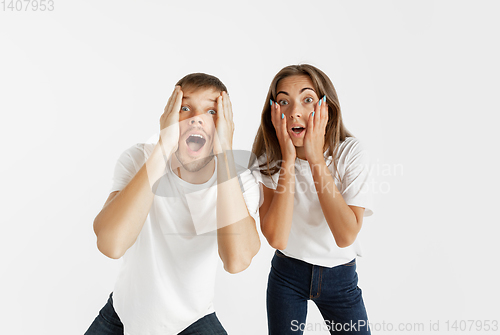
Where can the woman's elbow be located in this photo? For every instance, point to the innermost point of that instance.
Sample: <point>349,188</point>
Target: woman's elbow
<point>277,243</point>
<point>275,240</point>
<point>346,241</point>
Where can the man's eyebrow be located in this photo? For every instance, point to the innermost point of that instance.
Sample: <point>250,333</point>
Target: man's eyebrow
<point>188,98</point>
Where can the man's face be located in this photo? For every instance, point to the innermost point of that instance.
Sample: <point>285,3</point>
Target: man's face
<point>197,119</point>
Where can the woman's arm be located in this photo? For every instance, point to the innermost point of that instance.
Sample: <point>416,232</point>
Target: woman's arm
<point>277,209</point>
<point>344,221</point>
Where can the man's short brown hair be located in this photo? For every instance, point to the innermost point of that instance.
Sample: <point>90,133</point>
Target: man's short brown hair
<point>201,80</point>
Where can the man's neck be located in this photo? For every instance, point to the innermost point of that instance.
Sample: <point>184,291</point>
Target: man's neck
<point>199,177</point>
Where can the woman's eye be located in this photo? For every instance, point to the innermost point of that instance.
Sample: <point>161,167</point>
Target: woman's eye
<point>308,100</point>
<point>212,112</point>
<point>283,102</point>
<point>185,109</point>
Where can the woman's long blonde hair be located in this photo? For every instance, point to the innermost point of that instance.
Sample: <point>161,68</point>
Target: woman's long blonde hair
<point>266,142</point>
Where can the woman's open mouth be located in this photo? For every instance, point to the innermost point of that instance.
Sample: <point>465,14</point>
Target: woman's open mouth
<point>195,142</point>
<point>297,131</point>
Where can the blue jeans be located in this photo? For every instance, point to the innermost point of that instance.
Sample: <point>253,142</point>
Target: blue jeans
<point>334,290</point>
<point>108,323</point>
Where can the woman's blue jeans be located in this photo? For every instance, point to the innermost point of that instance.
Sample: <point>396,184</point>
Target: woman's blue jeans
<point>108,323</point>
<point>335,291</point>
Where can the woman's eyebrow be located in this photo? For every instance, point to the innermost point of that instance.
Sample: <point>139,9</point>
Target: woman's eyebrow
<point>302,90</point>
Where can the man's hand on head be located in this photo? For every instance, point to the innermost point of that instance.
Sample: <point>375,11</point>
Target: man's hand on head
<point>169,121</point>
<point>224,124</point>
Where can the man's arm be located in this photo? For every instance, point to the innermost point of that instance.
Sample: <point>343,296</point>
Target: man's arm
<point>238,239</point>
<point>121,219</point>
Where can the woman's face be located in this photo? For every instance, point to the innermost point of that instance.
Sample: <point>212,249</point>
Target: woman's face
<point>297,98</point>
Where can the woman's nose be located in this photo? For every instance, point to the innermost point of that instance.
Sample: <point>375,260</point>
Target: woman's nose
<point>296,112</point>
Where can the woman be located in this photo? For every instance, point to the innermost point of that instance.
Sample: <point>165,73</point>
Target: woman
<point>314,175</point>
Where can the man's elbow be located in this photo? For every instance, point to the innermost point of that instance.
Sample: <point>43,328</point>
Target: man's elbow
<point>236,267</point>
<point>109,250</point>
<point>239,264</point>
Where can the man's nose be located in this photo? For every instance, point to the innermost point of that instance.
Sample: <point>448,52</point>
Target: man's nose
<point>196,120</point>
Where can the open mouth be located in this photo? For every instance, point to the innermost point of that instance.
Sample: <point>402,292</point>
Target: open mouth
<point>195,142</point>
<point>298,130</point>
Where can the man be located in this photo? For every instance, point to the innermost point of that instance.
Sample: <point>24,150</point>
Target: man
<point>169,218</point>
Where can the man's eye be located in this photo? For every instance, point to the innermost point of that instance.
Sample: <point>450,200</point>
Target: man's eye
<point>212,112</point>
<point>185,109</point>
<point>283,102</point>
<point>308,100</point>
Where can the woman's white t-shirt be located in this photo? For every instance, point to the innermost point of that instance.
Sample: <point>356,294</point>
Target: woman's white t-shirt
<point>167,278</point>
<point>310,239</point>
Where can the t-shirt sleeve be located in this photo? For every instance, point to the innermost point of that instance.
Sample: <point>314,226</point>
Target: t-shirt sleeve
<point>262,179</point>
<point>129,162</point>
<point>251,193</point>
<point>356,177</point>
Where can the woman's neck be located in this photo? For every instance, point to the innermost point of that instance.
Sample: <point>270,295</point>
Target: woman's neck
<point>301,153</point>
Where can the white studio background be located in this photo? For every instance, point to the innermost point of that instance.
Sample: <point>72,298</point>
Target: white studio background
<point>418,84</point>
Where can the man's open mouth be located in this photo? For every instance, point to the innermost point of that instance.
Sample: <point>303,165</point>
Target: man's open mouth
<point>195,142</point>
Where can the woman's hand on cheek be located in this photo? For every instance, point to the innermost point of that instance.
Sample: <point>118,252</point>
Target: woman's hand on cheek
<point>279,122</point>
<point>314,139</point>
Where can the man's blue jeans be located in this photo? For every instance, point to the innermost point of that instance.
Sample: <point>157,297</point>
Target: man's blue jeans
<point>108,323</point>
<point>334,290</point>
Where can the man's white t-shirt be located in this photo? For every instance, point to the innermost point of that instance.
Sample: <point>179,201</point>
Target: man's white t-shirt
<point>167,278</point>
<point>310,239</point>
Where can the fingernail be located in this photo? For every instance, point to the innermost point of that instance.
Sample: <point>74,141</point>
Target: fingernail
<point>282,116</point>
<point>271,102</point>
<point>313,113</point>
<point>320,101</point>
<point>324,98</point>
